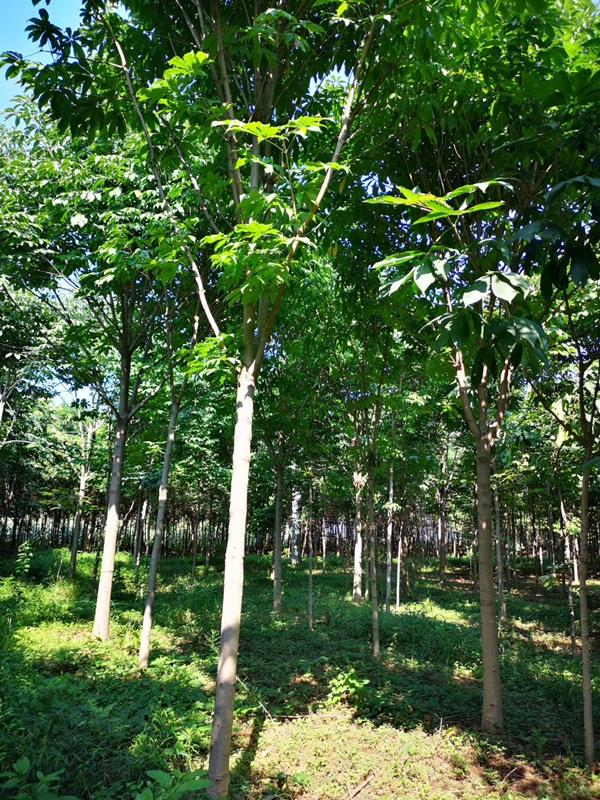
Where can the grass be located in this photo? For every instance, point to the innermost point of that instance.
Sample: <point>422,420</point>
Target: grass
<point>316,717</point>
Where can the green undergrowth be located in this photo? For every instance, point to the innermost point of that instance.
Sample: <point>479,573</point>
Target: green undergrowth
<point>316,717</point>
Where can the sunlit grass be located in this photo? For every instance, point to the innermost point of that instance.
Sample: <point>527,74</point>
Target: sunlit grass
<point>69,703</point>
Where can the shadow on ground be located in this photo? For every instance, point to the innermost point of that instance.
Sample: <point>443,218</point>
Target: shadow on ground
<point>84,707</point>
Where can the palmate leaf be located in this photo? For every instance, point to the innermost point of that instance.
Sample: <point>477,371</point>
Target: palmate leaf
<point>260,130</point>
<point>439,207</point>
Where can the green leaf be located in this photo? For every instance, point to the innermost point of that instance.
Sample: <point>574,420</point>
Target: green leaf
<point>424,276</point>
<point>260,130</point>
<point>579,180</point>
<point>22,766</point>
<point>397,259</point>
<point>503,289</point>
<point>191,63</point>
<point>162,778</point>
<point>584,264</point>
<point>471,188</point>
<point>540,229</point>
<point>477,292</point>
<point>392,287</point>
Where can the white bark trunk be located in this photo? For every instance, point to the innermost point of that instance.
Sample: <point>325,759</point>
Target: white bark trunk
<point>277,539</point>
<point>388,541</point>
<point>218,767</point>
<point>111,530</point>
<point>146,634</point>
<point>83,479</point>
<point>295,529</point>
<point>359,483</point>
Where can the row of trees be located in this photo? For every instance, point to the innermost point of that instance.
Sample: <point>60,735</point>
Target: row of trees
<point>211,194</point>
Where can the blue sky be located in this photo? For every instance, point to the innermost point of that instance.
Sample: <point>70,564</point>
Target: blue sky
<point>15,14</point>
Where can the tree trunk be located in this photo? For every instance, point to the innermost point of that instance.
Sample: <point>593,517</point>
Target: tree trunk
<point>139,533</point>
<point>295,529</point>
<point>158,533</point>
<point>218,768</point>
<point>373,570</point>
<point>196,532</point>
<point>569,562</point>
<point>588,722</point>
<point>277,538</point>
<point>111,530</point>
<point>309,536</point>
<point>388,539</point>
<point>491,716</point>
<point>359,483</point>
<point>399,565</point>
<point>499,560</point>
<point>442,516</point>
<point>442,534</point>
<point>83,479</point>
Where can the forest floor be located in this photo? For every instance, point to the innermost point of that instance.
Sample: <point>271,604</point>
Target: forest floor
<point>316,716</point>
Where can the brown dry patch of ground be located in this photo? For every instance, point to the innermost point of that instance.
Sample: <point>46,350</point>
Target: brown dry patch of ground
<point>517,776</point>
<point>535,634</point>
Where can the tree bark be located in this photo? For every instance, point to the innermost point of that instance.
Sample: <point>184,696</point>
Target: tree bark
<point>83,479</point>
<point>218,767</point>
<point>146,634</point>
<point>295,529</point>
<point>309,536</point>
<point>442,516</point>
<point>277,538</point>
<point>111,530</point>
<point>389,538</point>
<point>359,482</point>
<point>373,570</point>
<point>586,659</point>
<point>499,560</point>
<point>491,716</point>
<point>399,565</point>
<point>139,533</point>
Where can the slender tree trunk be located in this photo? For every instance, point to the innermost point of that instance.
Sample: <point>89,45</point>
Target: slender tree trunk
<point>586,659</point>
<point>139,533</point>
<point>570,562</point>
<point>196,532</point>
<point>111,530</point>
<point>399,565</point>
<point>389,536</point>
<point>442,516</point>
<point>359,482</point>
<point>295,528</point>
<point>83,479</point>
<point>491,718</point>
<point>373,569</point>
<point>499,560</point>
<point>277,538</point>
<point>309,536</point>
<point>158,533</point>
<point>218,768</point>
<point>442,534</point>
